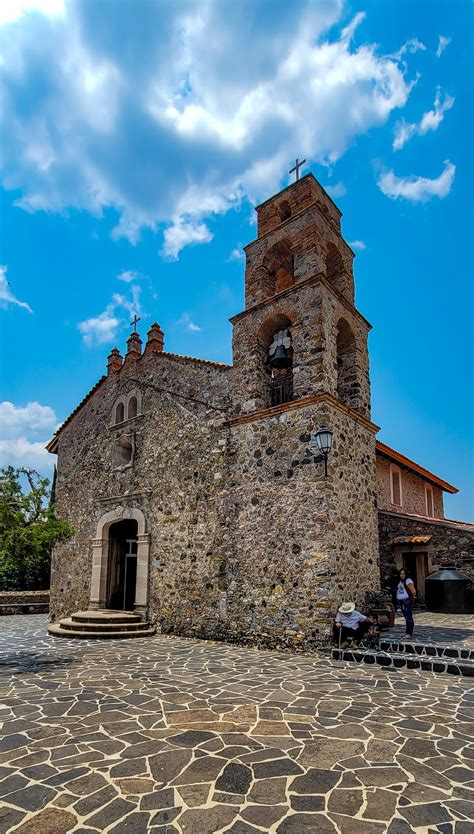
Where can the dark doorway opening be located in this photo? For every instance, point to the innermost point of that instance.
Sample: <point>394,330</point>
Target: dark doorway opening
<point>122,566</point>
<point>416,565</point>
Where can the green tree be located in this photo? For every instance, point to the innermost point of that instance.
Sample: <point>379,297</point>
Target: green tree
<point>29,530</point>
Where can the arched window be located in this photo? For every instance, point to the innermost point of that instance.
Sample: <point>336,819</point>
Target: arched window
<point>123,451</point>
<point>335,267</point>
<point>279,265</point>
<point>429,500</point>
<point>277,342</point>
<point>347,382</point>
<point>396,494</point>
<point>119,413</point>
<point>132,407</point>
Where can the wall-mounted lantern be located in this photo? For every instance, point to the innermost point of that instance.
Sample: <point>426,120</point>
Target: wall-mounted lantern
<point>323,438</point>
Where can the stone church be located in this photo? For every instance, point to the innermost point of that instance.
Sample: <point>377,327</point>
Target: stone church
<point>198,493</point>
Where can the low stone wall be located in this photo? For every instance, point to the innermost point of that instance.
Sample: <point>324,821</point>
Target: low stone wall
<point>451,543</point>
<point>24,602</point>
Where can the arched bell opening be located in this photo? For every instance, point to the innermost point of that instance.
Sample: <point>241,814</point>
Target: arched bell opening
<point>277,345</point>
<point>122,565</point>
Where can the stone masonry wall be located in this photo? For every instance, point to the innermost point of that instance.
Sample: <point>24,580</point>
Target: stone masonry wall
<point>171,481</point>
<point>413,491</point>
<point>451,543</point>
<point>295,544</point>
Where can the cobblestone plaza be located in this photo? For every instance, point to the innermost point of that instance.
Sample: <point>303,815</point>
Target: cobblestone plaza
<point>176,735</point>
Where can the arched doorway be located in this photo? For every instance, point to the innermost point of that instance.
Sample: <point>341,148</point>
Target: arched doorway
<point>122,565</point>
<point>108,542</point>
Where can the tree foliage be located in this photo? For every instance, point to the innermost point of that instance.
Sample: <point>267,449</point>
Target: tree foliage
<point>29,530</point>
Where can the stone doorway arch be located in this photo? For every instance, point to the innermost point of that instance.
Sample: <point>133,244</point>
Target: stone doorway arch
<point>100,556</point>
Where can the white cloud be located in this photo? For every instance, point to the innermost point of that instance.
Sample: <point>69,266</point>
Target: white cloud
<point>443,42</point>
<point>430,120</point>
<point>335,191</point>
<point>169,131</point>
<point>31,418</point>
<point>24,452</point>
<point>402,133</point>
<point>182,233</point>
<point>411,46</point>
<point>188,324</point>
<point>103,329</point>
<point>6,296</point>
<point>357,244</point>
<point>21,426</point>
<point>417,189</point>
<point>237,254</point>
<point>129,275</point>
<point>348,32</point>
<point>13,10</point>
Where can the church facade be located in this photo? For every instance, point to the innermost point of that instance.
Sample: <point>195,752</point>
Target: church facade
<point>196,490</point>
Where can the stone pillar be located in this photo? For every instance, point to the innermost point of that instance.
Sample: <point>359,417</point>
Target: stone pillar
<point>114,362</point>
<point>99,575</point>
<point>155,339</point>
<point>141,592</point>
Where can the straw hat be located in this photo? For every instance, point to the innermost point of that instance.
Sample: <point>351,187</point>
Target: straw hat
<point>346,608</point>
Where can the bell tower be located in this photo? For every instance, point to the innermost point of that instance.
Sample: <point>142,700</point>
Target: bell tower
<point>300,332</point>
<point>299,537</point>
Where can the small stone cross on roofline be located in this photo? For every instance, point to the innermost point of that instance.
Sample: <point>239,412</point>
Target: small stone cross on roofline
<point>296,169</point>
<point>134,322</point>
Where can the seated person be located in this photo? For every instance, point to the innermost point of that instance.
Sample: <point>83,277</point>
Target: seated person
<point>350,623</point>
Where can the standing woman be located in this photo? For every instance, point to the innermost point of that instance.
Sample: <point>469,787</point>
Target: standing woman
<point>406,596</point>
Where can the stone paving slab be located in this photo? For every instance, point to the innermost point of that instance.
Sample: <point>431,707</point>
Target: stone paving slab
<point>442,629</point>
<point>178,736</point>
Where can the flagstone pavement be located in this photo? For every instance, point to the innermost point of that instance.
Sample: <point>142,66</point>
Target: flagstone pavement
<point>172,735</point>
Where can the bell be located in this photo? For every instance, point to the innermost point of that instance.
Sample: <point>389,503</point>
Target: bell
<point>280,358</point>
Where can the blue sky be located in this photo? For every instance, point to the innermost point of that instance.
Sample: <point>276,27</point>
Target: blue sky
<point>138,138</point>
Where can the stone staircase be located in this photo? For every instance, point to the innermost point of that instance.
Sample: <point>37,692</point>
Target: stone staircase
<point>429,657</point>
<point>103,624</point>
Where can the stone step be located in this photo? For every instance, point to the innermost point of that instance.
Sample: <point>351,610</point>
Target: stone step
<point>58,630</point>
<point>426,649</point>
<point>72,625</point>
<point>440,665</point>
<point>105,616</point>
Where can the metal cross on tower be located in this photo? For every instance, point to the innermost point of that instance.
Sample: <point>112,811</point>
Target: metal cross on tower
<point>134,322</point>
<point>296,169</point>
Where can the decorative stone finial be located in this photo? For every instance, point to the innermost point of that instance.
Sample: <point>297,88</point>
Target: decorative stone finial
<point>134,347</point>
<point>155,339</point>
<point>114,361</point>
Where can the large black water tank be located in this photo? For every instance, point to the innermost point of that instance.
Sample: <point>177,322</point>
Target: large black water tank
<point>445,592</point>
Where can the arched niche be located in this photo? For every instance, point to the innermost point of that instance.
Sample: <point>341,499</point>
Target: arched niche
<point>279,265</point>
<point>284,211</point>
<point>335,268</point>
